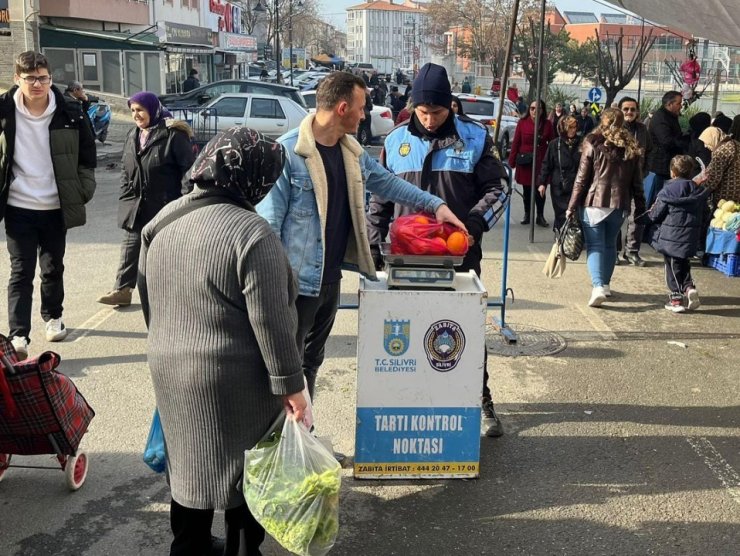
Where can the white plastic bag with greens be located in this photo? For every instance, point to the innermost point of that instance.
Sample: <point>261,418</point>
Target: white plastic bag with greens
<point>291,485</point>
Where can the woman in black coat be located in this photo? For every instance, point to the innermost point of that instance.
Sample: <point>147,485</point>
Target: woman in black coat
<point>156,156</point>
<point>559,168</point>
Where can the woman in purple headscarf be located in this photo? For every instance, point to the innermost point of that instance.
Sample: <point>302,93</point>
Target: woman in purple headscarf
<point>156,156</point>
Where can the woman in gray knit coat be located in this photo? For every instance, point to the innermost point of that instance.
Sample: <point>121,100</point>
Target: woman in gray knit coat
<point>218,297</point>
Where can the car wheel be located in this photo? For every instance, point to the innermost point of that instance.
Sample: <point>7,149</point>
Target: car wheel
<point>505,146</point>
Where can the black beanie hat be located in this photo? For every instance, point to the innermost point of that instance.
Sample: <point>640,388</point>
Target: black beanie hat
<point>432,86</point>
<point>722,122</point>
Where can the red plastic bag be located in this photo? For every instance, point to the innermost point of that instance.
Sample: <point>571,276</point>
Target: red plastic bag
<point>421,234</point>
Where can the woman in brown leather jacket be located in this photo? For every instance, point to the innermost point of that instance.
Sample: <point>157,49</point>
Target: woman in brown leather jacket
<point>609,177</point>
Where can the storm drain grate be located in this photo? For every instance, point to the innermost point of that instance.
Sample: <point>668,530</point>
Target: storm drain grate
<point>531,341</point>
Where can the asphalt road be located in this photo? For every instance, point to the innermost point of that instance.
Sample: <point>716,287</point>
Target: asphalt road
<point>623,443</point>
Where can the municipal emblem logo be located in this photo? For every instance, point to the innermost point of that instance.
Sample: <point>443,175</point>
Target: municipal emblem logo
<point>444,344</point>
<point>396,336</point>
<point>404,149</point>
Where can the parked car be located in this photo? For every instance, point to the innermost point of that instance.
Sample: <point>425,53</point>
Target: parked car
<point>381,118</point>
<point>269,114</point>
<point>208,93</point>
<point>310,84</point>
<point>485,110</point>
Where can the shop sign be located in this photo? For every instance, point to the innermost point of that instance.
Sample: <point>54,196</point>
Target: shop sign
<point>228,17</point>
<point>232,41</point>
<point>179,33</point>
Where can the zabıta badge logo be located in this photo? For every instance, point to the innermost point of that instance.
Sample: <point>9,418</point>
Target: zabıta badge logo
<point>404,149</point>
<point>396,336</point>
<point>444,344</point>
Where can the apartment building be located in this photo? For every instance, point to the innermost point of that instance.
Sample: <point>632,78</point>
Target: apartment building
<point>388,34</point>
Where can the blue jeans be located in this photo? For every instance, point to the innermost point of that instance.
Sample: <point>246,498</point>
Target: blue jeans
<point>601,246</point>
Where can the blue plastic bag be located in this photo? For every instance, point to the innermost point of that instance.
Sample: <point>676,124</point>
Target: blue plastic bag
<point>154,452</point>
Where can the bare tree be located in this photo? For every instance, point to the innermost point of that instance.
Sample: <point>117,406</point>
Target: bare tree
<point>480,27</point>
<point>614,75</point>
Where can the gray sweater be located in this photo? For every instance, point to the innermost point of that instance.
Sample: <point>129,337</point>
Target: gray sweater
<point>218,295</point>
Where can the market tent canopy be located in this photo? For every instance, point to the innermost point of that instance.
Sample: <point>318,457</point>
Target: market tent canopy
<point>717,20</point>
<point>326,59</point>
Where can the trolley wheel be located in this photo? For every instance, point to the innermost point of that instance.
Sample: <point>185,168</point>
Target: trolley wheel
<point>75,470</point>
<point>4,464</point>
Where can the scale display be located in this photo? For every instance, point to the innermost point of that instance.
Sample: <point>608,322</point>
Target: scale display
<point>437,277</point>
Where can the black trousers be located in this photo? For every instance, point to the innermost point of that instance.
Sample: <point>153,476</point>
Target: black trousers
<point>678,274</point>
<point>539,202</point>
<point>315,320</point>
<point>560,200</point>
<point>34,235</point>
<point>472,262</point>
<point>128,264</point>
<point>192,531</point>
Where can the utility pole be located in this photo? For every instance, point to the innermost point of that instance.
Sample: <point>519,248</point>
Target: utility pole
<point>717,77</point>
<point>540,73</point>
<point>290,39</point>
<point>278,53</point>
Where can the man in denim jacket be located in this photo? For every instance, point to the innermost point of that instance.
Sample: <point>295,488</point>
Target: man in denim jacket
<point>317,208</point>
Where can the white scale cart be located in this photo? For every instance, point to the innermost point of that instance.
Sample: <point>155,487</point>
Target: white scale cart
<point>421,348</point>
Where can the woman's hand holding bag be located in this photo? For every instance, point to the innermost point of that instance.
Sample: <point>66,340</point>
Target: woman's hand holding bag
<point>571,237</point>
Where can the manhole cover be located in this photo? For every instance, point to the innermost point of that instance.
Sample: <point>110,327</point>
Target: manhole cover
<point>529,341</point>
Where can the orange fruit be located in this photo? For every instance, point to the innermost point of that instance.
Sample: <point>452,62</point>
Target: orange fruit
<point>440,241</point>
<point>421,220</point>
<point>457,243</point>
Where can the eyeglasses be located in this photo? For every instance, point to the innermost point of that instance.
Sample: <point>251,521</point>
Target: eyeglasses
<point>532,108</point>
<point>629,109</point>
<point>32,79</point>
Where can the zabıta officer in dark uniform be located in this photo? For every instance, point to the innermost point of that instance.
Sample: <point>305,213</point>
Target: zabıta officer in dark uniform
<point>452,157</point>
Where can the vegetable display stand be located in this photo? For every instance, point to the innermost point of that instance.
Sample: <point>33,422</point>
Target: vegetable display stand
<point>421,352</point>
<point>723,251</point>
<point>729,265</point>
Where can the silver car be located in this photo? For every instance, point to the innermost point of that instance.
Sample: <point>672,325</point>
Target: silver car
<point>271,115</point>
<point>485,109</point>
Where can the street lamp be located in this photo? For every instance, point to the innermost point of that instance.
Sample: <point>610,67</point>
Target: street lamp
<point>278,54</point>
<point>260,8</point>
<point>290,35</point>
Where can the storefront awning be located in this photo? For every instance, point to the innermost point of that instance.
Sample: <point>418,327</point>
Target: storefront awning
<point>63,37</point>
<point>716,20</point>
<point>188,49</point>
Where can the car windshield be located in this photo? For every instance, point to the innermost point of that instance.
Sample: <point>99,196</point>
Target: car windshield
<point>477,108</point>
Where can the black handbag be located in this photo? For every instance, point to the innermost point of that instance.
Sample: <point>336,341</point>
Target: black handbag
<point>524,159</point>
<point>571,238</point>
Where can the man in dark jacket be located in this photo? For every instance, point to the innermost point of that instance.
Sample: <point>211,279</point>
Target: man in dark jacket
<point>666,135</point>
<point>192,82</point>
<point>631,111</point>
<point>468,177</point>
<point>47,174</point>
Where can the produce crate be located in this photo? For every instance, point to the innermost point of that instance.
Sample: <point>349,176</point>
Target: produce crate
<point>728,264</point>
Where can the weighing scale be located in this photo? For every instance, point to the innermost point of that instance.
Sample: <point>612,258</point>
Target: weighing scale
<point>419,271</point>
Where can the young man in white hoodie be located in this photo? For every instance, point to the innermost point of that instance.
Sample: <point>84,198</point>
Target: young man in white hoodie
<point>47,174</point>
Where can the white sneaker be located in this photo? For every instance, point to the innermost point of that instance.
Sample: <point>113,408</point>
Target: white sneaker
<point>597,297</point>
<point>692,298</point>
<point>607,290</point>
<point>55,330</point>
<point>20,344</point>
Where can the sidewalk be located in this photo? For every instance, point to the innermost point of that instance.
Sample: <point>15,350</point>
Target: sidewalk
<point>625,442</point>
